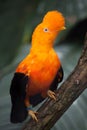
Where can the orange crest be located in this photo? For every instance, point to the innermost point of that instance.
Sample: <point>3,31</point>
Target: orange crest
<point>54,20</point>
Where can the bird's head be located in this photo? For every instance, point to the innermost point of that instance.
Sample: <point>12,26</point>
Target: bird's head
<point>46,32</point>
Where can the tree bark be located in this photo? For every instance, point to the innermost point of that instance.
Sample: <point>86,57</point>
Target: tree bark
<point>69,91</point>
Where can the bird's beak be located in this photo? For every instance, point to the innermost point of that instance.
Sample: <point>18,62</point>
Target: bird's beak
<point>63,28</point>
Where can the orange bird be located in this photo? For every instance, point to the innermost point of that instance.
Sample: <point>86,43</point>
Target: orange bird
<point>38,75</point>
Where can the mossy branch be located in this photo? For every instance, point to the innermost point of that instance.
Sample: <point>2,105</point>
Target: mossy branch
<point>70,90</point>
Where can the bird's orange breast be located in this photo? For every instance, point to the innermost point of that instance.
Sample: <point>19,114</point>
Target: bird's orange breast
<point>41,69</point>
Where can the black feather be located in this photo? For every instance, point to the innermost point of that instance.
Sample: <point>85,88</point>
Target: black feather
<point>58,78</point>
<point>17,92</point>
<point>36,99</point>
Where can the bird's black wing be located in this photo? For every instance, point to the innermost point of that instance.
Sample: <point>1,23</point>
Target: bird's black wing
<point>58,78</point>
<point>18,93</point>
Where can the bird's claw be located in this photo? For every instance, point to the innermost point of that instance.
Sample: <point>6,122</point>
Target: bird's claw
<point>51,94</point>
<point>33,115</point>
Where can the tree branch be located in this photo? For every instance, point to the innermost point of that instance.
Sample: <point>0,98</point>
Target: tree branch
<point>69,91</point>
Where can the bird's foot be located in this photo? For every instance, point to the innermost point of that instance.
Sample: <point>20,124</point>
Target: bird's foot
<point>33,115</point>
<point>51,94</point>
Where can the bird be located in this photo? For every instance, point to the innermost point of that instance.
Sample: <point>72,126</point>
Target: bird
<point>39,73</point>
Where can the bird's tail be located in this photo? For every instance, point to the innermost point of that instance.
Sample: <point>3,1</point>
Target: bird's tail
<point>18,93</point>
<point>18,111</point>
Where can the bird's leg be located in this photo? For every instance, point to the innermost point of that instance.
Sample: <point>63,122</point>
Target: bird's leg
<point>29,109</point>
<point>51,94</point>
<point>32,113</point>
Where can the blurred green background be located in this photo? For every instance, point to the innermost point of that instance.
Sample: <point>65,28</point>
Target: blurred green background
<point>17,20</point>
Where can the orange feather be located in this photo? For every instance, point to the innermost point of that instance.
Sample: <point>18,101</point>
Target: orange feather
<point>42,64</point>
<point>40,72</point>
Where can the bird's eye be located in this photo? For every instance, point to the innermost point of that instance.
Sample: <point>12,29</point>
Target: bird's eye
<point>45,30</point>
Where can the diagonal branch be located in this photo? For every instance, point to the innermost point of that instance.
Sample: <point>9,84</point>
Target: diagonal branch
<point>69,91</point>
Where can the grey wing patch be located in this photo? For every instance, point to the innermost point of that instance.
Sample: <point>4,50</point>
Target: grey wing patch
<point>60,74</point>
<point>58,78</point>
